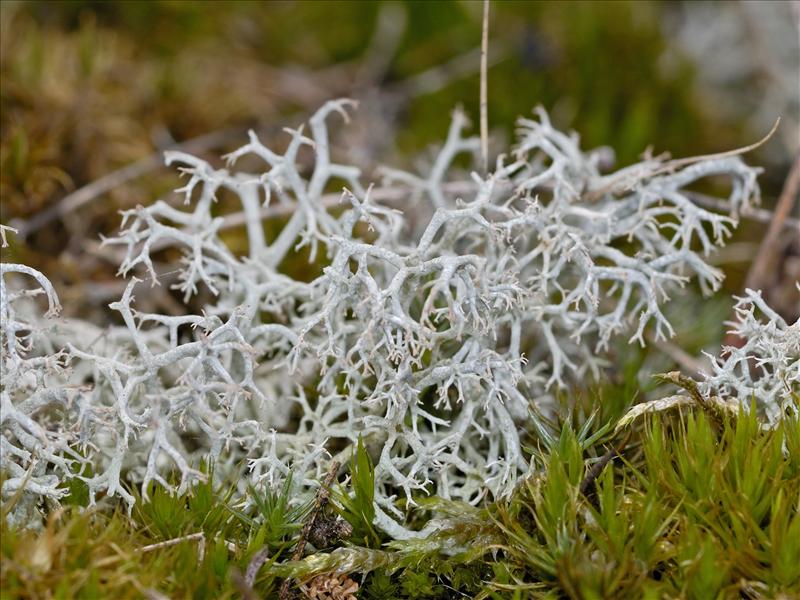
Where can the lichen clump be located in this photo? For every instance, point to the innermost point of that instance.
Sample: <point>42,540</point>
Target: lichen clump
<point>449,304</point>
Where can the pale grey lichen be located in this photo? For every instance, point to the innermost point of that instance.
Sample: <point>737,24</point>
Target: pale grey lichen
<point>764,370</point>
<point>431,332</point>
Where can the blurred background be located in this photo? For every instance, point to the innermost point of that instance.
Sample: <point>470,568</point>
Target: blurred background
<point>93,92</point>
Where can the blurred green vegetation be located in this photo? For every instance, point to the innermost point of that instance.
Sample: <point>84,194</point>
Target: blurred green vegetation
<point>91,87</point>
<point>596,63</point>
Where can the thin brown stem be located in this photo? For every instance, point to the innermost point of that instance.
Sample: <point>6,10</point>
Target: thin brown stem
<point>199,537</point>
<point>588,486</point>
<point>485,89</point>
<point>323,495</point>
<point>72,202</point>
<point>766,263</point>
<point>764,269</point>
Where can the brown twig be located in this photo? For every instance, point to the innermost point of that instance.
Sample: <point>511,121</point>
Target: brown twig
<point>766,262</point>
<point>765,269</point>
<point>587,487</point>
<point>95,189</point>
<point>621,182</point>
<point>322,497</point>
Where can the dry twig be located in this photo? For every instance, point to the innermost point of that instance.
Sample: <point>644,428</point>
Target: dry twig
<point>766,263</point>
<point>764,271</point>
<point>588,487</point>
<point>623,182</point>
<point>323,495</point>
<point>485,89</point>
<point>201,544</point>
<point>95,189</point>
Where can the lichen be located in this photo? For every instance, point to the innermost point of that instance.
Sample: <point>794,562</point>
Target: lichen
<point>444,312</point>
